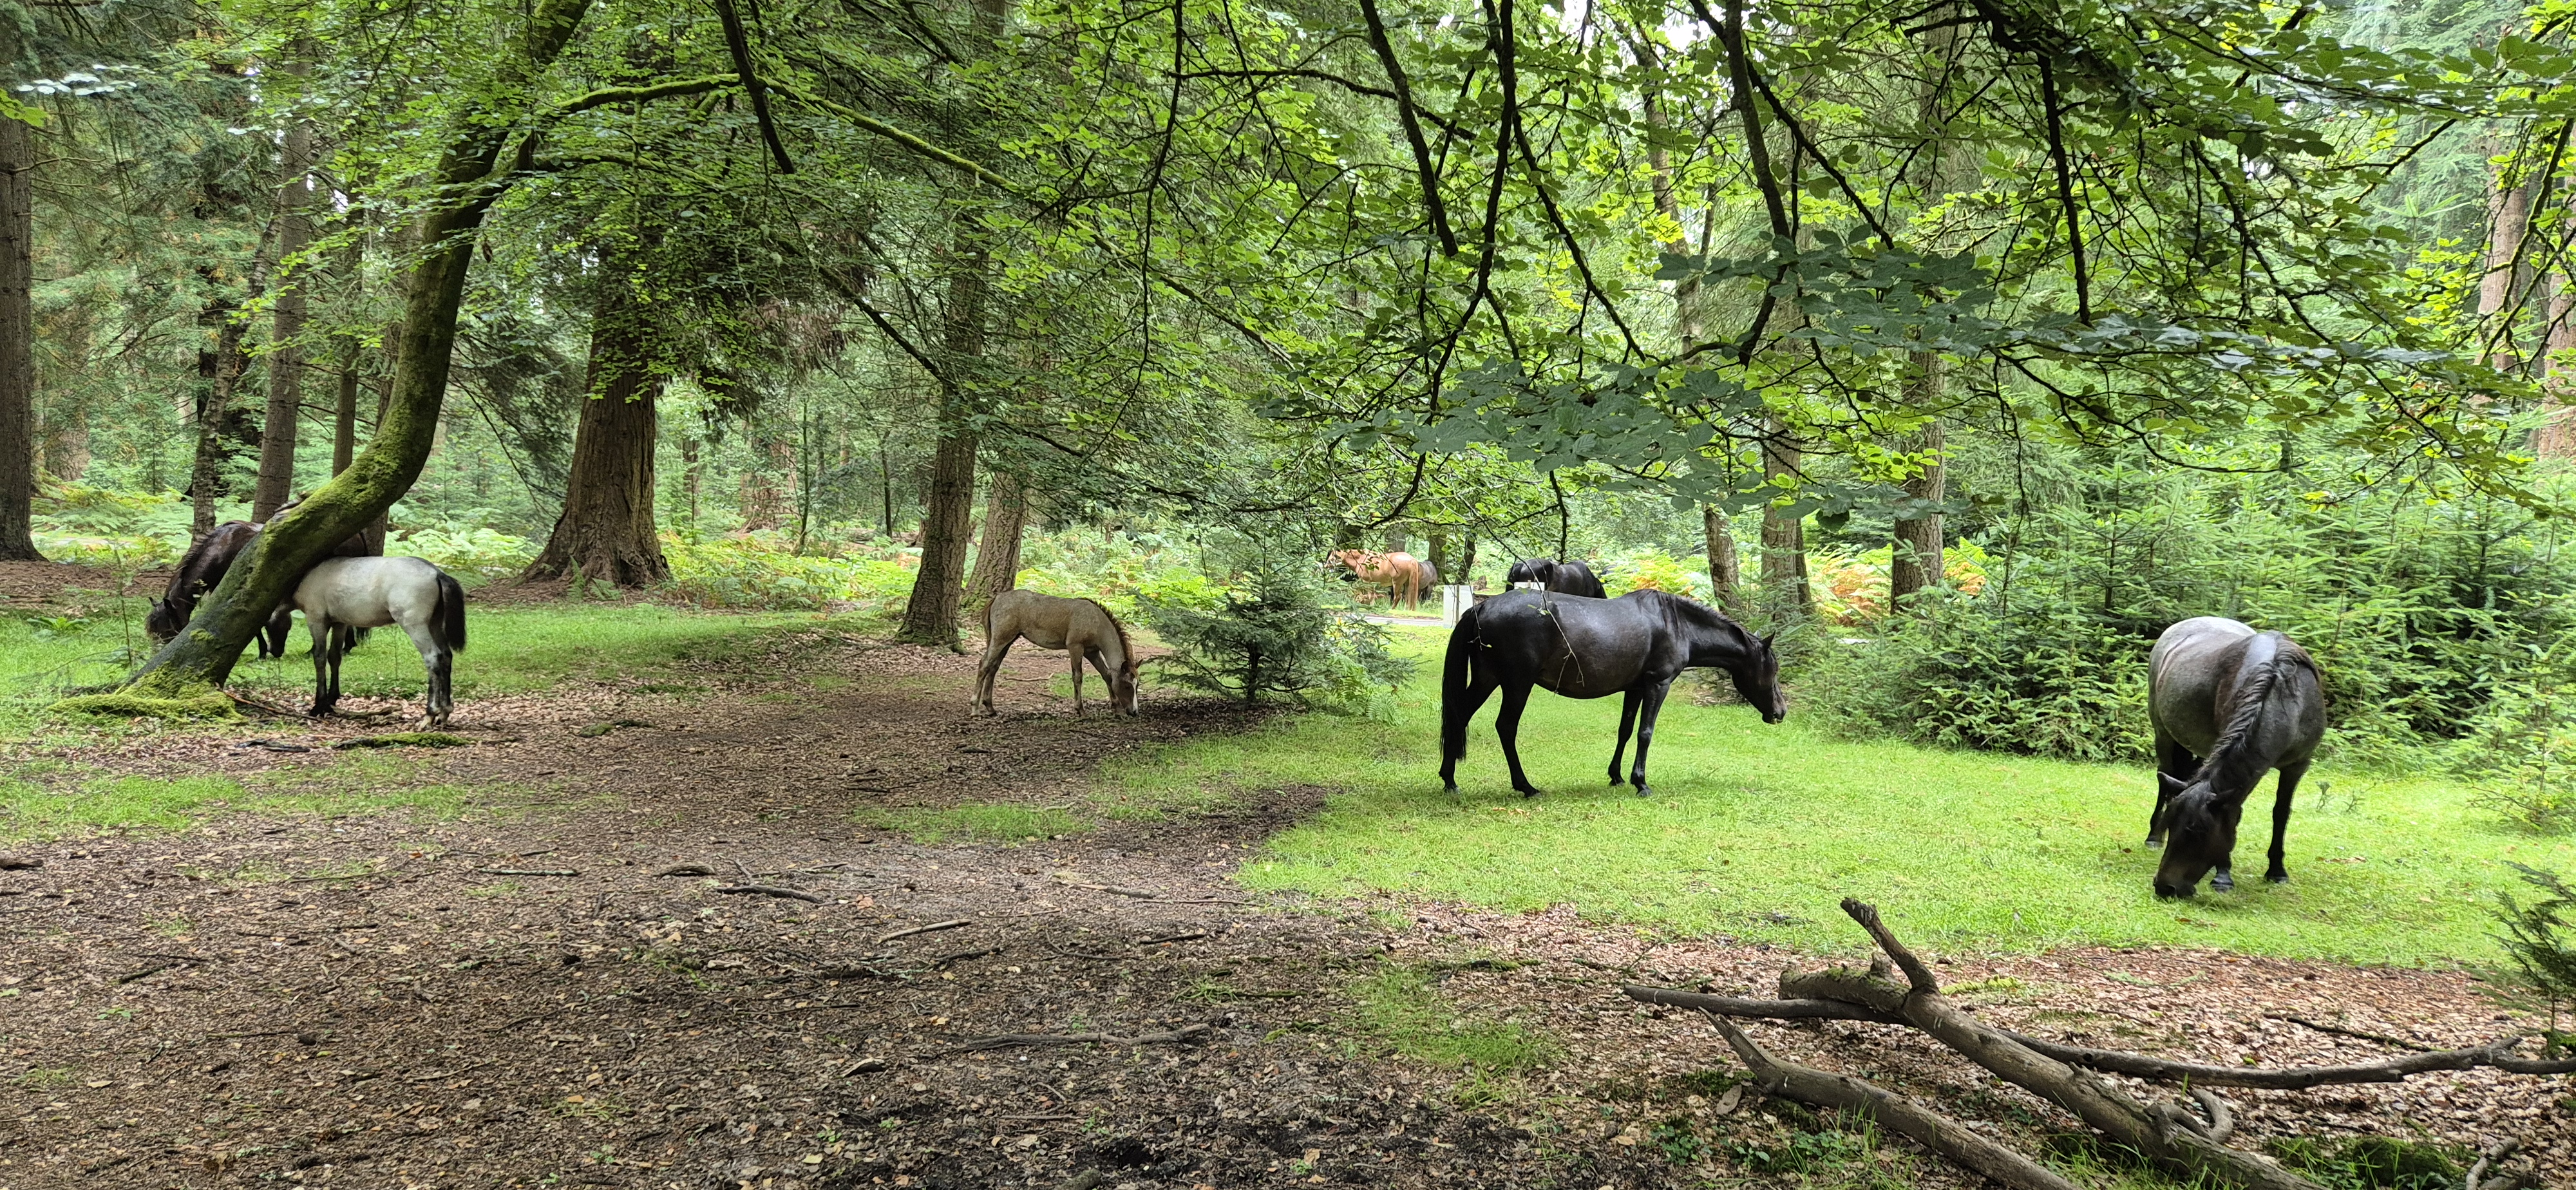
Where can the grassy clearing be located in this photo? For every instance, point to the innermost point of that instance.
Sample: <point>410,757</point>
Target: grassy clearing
<point>1403,1008</point>
<point>1757,831</point>
<point>984,822</point>
<point>58,803</point>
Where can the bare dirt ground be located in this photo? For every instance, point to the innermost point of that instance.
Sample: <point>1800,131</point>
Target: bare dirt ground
<point>558,988</point>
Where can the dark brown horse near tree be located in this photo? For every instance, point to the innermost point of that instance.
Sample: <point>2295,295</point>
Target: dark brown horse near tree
<point>1591,648</point>
<point>1569,577</point>
<point>2250,702</point>
<point>204,565</point>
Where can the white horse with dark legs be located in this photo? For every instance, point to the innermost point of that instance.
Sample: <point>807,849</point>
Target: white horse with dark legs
<point>344,597</point>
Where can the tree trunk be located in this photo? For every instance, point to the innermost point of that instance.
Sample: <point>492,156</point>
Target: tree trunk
<point>764,501</point>
<point>471,173</point>
<point>1915,562</point>
<point>692,475</point>
<point>2556,437</point>
<point>930,617</point>
<point>1725,570</point>
<point>1784,533</point>
<point>1436,549</point>
<point>2508,220</point>
<point>997,555</point>
<point>344,412</point>
<point>606,532</point>
<point>278,430</point>
<point>17,340</point>
<point>230,363</point>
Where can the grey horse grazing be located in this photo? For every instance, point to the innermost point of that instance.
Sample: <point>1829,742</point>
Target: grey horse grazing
<point>344,597</point>
<point>1078,626</point>
<point>2250,702</point>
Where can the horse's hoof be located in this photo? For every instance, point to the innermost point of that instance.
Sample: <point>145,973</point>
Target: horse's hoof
<point>2222,884</point>
<point>2277,877</point>
<point>1642,791</point>
<point>1615,779</point>
<point>1529,793</point>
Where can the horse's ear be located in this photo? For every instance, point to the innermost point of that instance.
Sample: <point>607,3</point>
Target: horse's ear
<point>1769,637</point>
<point>2171,785</point>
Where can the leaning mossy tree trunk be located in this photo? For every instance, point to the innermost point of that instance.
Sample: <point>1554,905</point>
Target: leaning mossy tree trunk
<point>488,143</point>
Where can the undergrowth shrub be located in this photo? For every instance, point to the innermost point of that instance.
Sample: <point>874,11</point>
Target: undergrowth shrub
<point>463,545</point>
<point>759,570</point>
<point>1270,631</point>
<point>1972,674</point>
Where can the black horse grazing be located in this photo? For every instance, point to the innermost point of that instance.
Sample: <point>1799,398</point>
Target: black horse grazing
<point>208,559</point>
<point>1591,648</point>
<point>2249,701</point>
<point>1564,578</point>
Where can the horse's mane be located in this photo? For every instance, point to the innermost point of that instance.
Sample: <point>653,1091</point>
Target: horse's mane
<point>2231,760</point>
<point>1126,647</point>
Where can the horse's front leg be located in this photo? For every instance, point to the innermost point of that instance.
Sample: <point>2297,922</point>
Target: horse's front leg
<point>2290,775</point>
<point>1075,652</point>
<point>1507,725</point>
<point>2175,761</point>
<point>1654,706</point>
<point>1627,722</point>
<point>995,650</point>
<point>320,628</point>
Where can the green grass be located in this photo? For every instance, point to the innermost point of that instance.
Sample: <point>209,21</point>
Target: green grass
<point>60,803</point>
<point>1403,1008</point>
<point>1758,831</point>
<point>975,821</point>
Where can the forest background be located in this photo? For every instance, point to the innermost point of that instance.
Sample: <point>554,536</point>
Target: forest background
<point>1967,343</point>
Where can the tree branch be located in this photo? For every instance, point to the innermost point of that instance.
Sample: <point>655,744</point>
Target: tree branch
<point>1412,127</point>
<point>739,45</point>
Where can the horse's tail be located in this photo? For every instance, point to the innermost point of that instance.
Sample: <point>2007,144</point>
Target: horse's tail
<point>451,612</point>
<point>1456,675</point>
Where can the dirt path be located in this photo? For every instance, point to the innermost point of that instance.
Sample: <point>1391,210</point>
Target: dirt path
<point>546,995</point>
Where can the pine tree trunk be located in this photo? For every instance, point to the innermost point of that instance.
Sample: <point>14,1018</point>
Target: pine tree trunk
<point>17,340</point>
<point>2556,437</point>
<point>1725,570</point>
<point>344,412</point>
<point>930,616</point>
<point>231,363</point>
<point>278,430</point>
<point>204,654</point>
<point>2509,220</point>
<point>997,555</point>
<point>692,475</point>
<point>1915,562</point>
<point>1784,533</point>
<point>606,532</point>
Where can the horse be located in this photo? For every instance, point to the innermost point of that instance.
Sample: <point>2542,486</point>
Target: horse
<point>342,598</point>
<point>1403,575</point>
<point>1565,578</point>
<point>208,559</point>
<point>2250,702</point>
<point>1080,627</point>
<point>1591,648</point>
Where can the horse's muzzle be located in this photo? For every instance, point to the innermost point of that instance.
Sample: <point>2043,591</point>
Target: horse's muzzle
<point>1774,716</point>
<point>2167,892</point>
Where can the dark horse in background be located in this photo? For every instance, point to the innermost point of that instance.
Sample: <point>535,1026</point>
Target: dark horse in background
<point>1591,648</point>
<point>1564,578</point>
<point>204,566</point>
<point>2250,702</point>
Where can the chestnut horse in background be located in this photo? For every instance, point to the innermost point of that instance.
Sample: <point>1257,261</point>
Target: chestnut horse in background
<point>1404,576</point>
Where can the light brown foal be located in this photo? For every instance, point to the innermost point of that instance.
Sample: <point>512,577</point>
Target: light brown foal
<point>1078,626</point>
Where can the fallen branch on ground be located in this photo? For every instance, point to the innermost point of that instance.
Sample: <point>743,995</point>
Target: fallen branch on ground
<point>2169,1134</point>
<point>1898,1113</point>
<point>687,870</point>
<point>2494,1157</point>
<point>528,871</point>
<point>770,890</point>
<point>1070,881</point>
<point>1185,1033</point>
<point>266,709</point>
<point>2496,1054</point>
<point>936,925</point>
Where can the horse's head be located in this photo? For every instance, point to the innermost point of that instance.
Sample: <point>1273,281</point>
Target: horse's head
<point>164,621</point>
<point>2200,833</point>
<point>1758,680</point>
<point>1122,683</point>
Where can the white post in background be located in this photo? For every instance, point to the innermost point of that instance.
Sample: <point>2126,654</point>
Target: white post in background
<point>1529,586</point>
<point>1455,599</point>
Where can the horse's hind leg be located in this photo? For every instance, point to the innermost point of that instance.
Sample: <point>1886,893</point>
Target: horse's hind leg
<point>1654,706</point>
<point>2175,761</point>
<point>1507,725</point>
<point>436,662</point>
<point>1470,701</point>
<point>2290,775</point>
<point>1627,723</point>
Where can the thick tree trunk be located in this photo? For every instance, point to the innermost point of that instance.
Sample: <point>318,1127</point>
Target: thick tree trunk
<point>2556,438</point>
<point>473,173</point>
<point>17,340</point>
<point>2508,221</point>
<point>1725,570</point>
<point>1916,559</point>
<point>230,363</point>
<point>606,532</point>
<point>997,555</point>
<point>278,430</point>
<point>344,411</point>
<point>930,617</point>
<point>1784,533</point>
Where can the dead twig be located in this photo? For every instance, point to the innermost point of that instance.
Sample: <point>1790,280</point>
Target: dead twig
<point>528,871</point>
<point>1899,1113</point>
<point>14,863</point>
<point>2356,1034</point>
<point>2494,1157</point>
<point>2495,1054</point>
<point>687,870</point>
<point>771,890</point>
<point>1186,1033</point>
<point>146,973</point>
<point>1184,936</point>
<point>932,927</point>
<point>266,709</point>
<point>1068,880</point>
